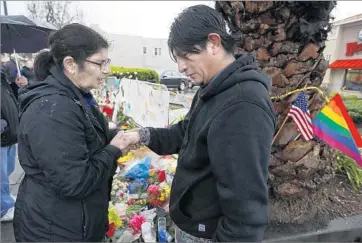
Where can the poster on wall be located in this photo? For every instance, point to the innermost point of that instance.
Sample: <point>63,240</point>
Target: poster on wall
<point>146,103</point>
<point>112,83</point>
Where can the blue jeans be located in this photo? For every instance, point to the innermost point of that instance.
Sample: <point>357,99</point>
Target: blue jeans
<point>8,155</point>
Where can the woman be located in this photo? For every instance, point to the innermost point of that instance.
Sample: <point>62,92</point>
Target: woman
<point>65,147</point>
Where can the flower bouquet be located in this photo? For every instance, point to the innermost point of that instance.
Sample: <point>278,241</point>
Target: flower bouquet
<point>138,189</point>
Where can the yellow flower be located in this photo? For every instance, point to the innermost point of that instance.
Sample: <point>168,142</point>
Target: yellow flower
<point>124,126</point>
<point>173,170</point>
<point>125,158</point>
<point>152,172</point>
<point>166,189</point>
<point>113,217</point>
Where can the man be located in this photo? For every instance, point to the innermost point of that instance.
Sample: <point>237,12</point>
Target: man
<point>219,192</point>
<point>11,73</point>
<point>9,137</point>
<point>28,72</point>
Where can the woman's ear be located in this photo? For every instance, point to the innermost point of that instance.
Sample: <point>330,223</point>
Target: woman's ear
<point>69,65</point>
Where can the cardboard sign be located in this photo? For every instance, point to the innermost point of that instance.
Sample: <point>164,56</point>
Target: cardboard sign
<point>146,103</point>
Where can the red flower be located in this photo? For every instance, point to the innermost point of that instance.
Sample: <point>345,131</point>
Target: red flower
<point>135,222</point>
<point>130,201</point>
<point>108,110</point>
<point>121,194</point>
<point>111,230</point>
<point>153,189</point>
<point>154,202</point>
<point>161,176</point>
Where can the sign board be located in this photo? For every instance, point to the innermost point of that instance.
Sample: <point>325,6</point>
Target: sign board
<point>146,103</point>
<point>353,48</point>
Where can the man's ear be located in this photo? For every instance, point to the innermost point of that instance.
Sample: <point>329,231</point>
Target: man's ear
<point>215,42</point>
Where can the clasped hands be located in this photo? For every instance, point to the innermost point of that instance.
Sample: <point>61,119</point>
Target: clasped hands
<point>126,141</point>
<point>21,81</point>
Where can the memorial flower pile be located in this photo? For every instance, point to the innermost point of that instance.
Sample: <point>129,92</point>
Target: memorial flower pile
<point>140,189</point>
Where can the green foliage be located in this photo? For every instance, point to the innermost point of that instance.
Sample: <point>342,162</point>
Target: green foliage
<point>181,118</point>
<point>354,108</point>
<point>345,97</point>
<point>349,167</point>
<point>142,74</point>
<point>125,122</point>
<point>353,105</point>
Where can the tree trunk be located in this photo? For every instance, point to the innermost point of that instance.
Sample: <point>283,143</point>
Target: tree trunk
<point>288,39</point>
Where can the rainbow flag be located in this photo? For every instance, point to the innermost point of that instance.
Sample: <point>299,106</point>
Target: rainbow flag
<point>334,125</point>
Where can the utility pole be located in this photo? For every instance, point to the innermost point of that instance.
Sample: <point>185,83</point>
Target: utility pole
<point>5,8</point>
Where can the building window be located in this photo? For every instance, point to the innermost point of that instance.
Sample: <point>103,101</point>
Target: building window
<point>353,80</point>
<point>157,51</point>
<point>144,50</point>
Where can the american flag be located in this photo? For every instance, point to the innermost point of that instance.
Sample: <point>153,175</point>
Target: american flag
<point>301,116</point>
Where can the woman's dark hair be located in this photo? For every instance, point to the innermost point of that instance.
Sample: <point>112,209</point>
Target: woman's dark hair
<point>193,26</point>
<point>75,40</point>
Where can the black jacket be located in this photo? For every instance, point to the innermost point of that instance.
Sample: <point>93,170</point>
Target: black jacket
<point>9,112</point>
<point>220,187</point>
<point>64,150</point>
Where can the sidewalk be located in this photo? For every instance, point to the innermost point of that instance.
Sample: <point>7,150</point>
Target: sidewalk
<point>7,233</point>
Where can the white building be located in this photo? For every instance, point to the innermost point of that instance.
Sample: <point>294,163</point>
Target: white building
<point>344,52</point>
<point>138,52</point>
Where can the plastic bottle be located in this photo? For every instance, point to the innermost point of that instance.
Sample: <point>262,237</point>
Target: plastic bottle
<point>147,233</point>
<point>162,233</point>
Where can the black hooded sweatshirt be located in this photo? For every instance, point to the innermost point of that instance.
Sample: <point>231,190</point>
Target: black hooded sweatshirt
<point>220,188</point>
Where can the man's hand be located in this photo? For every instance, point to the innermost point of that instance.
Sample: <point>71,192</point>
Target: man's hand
<point>21,81</point>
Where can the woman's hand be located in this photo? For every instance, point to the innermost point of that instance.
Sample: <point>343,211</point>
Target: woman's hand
<point>122,142</point>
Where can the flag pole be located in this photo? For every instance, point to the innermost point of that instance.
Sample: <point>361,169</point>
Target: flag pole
<point>5,8</point>
<point>280,129</point>
<point>285,120</point>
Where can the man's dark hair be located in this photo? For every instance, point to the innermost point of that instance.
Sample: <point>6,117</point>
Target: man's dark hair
<point>192,27</point>
<point>75,40</point>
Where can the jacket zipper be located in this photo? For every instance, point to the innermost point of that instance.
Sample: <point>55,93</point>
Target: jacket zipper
<point>83,222</point>
<point>185,141</point>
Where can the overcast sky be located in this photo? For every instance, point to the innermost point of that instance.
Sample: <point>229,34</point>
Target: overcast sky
<point>149,18</point>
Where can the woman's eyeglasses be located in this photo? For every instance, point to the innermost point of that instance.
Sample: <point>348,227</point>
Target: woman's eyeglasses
<point>102,65</point>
